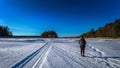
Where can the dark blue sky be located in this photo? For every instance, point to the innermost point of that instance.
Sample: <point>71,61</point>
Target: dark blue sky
<point>66,17</point>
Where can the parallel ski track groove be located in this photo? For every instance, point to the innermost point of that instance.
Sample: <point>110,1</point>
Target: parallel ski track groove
<point>28,58</point>
<point>41,58</point>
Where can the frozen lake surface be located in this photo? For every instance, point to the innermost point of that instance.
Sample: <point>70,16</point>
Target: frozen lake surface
<point>58,53</point>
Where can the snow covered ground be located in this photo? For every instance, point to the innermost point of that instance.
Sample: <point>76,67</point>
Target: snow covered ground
<point>58,53</point>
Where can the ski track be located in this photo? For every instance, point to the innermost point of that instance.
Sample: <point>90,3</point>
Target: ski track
<point>28,58</point>
<point>61,53</point>
<point>45,57</point>
<point>39,63</point>
<point>80,62</point>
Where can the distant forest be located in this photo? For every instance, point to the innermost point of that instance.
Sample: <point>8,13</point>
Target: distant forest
<point>111,30</point>
<point>4,31</point>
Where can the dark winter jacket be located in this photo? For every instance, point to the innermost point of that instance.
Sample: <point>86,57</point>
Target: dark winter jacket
<point>82,42</point>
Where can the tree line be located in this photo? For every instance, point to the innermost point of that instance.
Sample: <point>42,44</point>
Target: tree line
<point>109,30</point>
<point>49,34</point>
<point>4,31</point>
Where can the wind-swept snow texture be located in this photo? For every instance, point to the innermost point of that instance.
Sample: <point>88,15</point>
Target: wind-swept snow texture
<point>58,53</point>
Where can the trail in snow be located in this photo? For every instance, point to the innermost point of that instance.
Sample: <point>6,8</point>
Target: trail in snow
<point>103,57</point>
<point>28,58</point>
<point>102,54</point>
<point>39,63</point>
<point>67,58</point>
<point>44,50</point>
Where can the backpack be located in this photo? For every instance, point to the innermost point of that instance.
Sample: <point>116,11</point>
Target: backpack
<point>82,42</point>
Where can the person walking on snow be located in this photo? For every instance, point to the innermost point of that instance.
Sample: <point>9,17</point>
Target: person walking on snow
<point>82,43</point>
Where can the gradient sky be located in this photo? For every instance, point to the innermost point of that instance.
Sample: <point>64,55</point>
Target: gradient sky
<point>66,17</point>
